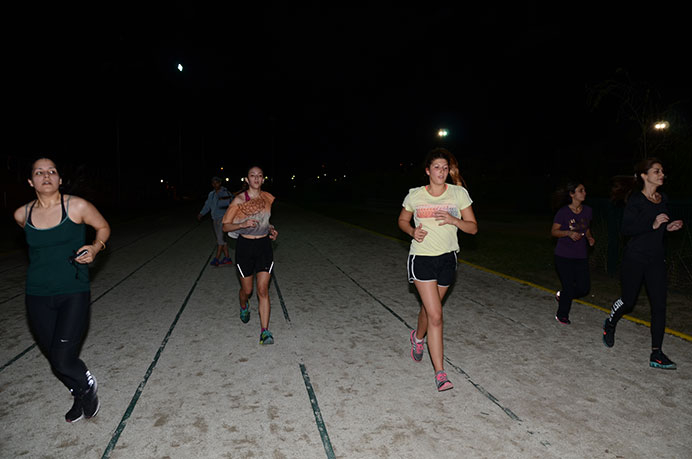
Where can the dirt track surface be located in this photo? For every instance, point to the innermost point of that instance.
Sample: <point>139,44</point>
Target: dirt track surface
<point>181,376</point>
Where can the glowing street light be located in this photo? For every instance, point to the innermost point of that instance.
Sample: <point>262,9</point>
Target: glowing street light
<point>180,67</point>
<point>661,125</point>
<point>442,133</point>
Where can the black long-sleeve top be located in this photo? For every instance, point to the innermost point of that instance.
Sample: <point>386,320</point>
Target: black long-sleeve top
<point>638,221</point>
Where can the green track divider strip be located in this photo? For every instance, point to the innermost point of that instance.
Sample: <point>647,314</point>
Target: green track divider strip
<point>147,374</point>
<point>318,415</point>
<point>281,298</point>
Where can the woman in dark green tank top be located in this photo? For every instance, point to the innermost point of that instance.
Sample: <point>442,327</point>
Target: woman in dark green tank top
<point>57,284</point>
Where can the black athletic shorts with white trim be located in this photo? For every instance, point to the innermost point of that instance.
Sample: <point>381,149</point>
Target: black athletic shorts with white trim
<point>440,268</point>
<point>254,255</point>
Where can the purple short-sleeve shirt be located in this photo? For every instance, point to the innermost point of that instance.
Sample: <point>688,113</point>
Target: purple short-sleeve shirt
<point>569,221</point>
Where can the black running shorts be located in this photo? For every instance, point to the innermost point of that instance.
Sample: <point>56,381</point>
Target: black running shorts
<point>440,268</point>
<point>254,255</point>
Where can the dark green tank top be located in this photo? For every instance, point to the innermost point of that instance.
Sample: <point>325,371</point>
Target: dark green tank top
<point>50,271</point>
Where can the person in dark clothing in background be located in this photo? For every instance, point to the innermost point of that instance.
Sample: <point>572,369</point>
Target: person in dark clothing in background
<point>646,219</point>
<point>217,202</point>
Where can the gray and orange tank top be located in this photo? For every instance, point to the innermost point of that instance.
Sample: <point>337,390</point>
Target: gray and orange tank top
<point>259,208</point>
<point>50,271</point>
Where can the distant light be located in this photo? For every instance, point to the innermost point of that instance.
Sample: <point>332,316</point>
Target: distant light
<point>180,67</point>
<point>661,125</point>
<point>161,180</point>
<point>442,133</point>
<point>242,179</point>
<point>344,175</point>
<point>293,177</point>
<point>325,175</point>
<point>318,177</point>
<point>266,177</point>
<point>221,167</point>
<point>227,179</point>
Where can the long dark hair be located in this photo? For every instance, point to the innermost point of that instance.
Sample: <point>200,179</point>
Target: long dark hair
<point>561,196</point>
<point>452,162</point>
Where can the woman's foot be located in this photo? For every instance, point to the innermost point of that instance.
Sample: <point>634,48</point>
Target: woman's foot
<point>563,320</point>
<point>266,337</point>
<point>659,360</point>
<point>442,382</point>
<point>417,347</point>
<point>245,313</point>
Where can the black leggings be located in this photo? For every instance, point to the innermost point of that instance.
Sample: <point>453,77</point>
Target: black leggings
<point>59,323</point>
<point>576,283</point>
<point>653,273</point>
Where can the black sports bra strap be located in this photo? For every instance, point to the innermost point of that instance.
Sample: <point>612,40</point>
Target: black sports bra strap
<point>62,204</point>
<point>28,211</point>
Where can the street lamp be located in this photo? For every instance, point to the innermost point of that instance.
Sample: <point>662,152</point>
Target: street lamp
<point>661,125</point>
<point>442,133</point>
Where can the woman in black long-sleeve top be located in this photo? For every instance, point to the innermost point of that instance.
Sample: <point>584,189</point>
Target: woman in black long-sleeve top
<point>646,219</point>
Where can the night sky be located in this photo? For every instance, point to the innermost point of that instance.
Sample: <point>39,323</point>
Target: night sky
<point>327,87</point>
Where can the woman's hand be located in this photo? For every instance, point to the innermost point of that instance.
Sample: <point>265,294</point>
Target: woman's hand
<point>591,240</point>
<point>273,233</point>
<point>661,219</point>
<point>445,218</point>
<point>249,223</point>
<point>90,255</point>
<point>575,236</point>
<point>419,233</point>
<point>674,225</point>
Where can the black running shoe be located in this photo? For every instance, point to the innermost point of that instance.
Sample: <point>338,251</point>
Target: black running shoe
<point>76,412</point>
<point>608,333</point>
<point>89,399</point>
<point>659,360</point>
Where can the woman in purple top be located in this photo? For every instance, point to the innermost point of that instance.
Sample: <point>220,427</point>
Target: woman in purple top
<point>571,228</point>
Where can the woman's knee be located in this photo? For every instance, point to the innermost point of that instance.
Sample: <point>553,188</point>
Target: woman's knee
<point>263,291</point>
<point>582,291</point>
<point>434,318</point>
<point>62,358</point>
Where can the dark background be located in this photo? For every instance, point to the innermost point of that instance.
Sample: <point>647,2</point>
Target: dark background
<point>353,91</point>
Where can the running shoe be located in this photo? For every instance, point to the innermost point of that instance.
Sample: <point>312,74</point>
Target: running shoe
<point>266,337</point>
<point>245,313</point>
<point>608,333</point>
<point>76,412</point>
<point>563,320</point>
<point>659,360</point>
<point>442,382</point>
<point>90,401</point>
<point>215,262</point>
<point>225,261</point>
<point>417,348</point>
